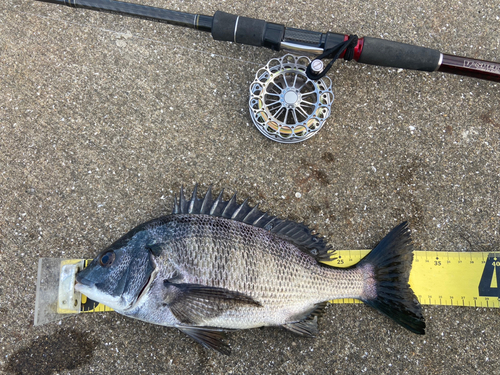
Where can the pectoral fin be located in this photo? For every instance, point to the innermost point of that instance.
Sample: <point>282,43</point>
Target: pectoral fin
<point>194,303</point>
<point>208,337</point>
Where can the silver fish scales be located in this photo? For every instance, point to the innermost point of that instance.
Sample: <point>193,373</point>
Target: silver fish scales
<point>213,265</point>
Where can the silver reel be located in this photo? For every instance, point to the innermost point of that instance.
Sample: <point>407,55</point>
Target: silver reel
<point>286,106</point>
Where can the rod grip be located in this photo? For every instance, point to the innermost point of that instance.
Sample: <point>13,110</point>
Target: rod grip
<point>245,30</point>
<point>398,55</point>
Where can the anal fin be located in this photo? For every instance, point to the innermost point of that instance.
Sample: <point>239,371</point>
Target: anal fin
<point>308,324</point>
<point>210,338</point>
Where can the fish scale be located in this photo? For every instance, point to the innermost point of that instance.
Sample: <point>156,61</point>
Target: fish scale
<point>215,264</point>
<point>198,242</point>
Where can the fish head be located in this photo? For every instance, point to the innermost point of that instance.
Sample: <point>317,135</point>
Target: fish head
<point>120,274</point>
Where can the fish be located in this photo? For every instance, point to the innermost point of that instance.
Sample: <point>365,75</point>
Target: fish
<point>213,266</point>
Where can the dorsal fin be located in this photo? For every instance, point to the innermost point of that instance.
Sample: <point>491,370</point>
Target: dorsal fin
<point>297,233</point>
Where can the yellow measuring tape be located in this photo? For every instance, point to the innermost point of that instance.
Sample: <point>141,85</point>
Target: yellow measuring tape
<point>445,278</point>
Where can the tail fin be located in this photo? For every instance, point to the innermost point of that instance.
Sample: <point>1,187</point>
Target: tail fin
<point>390,263</point>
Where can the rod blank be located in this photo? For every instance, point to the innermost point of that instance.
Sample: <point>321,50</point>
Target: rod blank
<point>144,12</point>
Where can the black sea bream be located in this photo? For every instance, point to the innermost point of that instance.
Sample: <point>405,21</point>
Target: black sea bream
<point>214,265</point>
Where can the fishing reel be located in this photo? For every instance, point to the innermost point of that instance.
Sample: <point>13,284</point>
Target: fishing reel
<point>286,105</point>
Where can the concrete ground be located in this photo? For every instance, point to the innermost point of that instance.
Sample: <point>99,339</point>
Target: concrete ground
<point>103,118</point>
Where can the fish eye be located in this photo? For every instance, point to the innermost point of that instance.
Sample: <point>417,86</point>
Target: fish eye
<point>107,258</point>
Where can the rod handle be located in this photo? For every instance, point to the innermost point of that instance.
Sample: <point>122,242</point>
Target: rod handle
<point>398,55</point>
<point>245,30</point>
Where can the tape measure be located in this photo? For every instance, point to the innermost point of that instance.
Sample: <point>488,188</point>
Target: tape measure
<point>446,278</point>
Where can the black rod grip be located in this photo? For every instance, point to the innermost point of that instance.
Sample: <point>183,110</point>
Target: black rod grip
<point>245,30</point>
<point>223,25</point>
<point>398,55</point>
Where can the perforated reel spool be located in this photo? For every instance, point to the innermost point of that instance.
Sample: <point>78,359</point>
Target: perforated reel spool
<point>286,106</point>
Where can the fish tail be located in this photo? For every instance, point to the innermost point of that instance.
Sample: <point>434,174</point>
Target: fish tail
<point>387,268</point>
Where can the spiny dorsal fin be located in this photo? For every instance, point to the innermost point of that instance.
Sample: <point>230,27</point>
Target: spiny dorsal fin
<point>297,233</point>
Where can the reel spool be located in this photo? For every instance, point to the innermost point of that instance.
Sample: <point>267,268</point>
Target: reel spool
<point>286,106</point>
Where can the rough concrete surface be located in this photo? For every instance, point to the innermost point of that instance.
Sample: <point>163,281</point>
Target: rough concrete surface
<point>103,118</point>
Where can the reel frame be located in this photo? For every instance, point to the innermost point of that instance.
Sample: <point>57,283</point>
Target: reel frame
<point>285,105</point>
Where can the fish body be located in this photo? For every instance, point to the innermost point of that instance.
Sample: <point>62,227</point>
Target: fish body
<point>213,265</point>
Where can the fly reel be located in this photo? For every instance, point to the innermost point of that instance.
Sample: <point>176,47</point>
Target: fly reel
<point>286,106</point>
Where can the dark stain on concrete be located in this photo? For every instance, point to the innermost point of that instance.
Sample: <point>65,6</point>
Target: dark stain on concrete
<point>328,157</point>
<point>63,350</point>
<point>312,173</point>
<point>489,118</point>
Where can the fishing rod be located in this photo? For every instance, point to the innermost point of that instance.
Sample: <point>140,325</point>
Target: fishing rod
<point>291,96</point>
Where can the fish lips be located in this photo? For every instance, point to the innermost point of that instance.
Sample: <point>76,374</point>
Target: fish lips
<point>92,291</point>
<point>83,284</point>
<point>83,288</point>
<point>80,279</point>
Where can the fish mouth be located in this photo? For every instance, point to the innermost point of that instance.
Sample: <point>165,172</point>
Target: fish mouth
<point>82,284</point>
<point>86,287</point>
<point>83,288</point>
